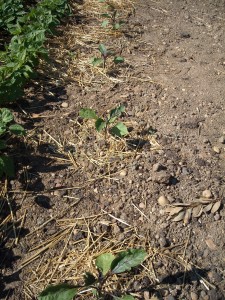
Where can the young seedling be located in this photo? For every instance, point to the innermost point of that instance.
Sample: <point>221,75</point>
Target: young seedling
<point>112,19</point>
<point>105,53</point>
<point>107,265</point>
<point>6,127</point>
<point>118,130</point>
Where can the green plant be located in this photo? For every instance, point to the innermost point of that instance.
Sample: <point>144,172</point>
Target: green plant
<point>105,53</point>
<point>7,127</point>
<point>29,32</point>
<point>112,19</point>
<point>107,265</point>
<point>118,130</point>
<point>111,16</point>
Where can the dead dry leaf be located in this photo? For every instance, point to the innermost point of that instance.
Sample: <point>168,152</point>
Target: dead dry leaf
<point>210,244</point>
<point>216,206</point>
<point>208,207</point>
<point>187,216</point>
<point>179,217</point>
<point>175,210</point>
<point>197,211</point>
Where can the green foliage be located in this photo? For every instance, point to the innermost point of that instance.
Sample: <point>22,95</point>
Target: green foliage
<point>10,11</point>
<point>107,265</point>
<point>127,260</point>
<point>118,130</point>
<point>6,118</point>
<point>27,45</point>
<point>104,262</point>
<point>58,292</point>
<point>105,53</point>
<point>112,18</point>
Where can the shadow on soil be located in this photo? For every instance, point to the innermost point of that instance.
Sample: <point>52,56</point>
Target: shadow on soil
<point>9,231</point>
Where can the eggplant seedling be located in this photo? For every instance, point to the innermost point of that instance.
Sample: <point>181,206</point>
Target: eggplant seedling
<point>118,130</point>
<point>105,53</point>
<point>112,19</point>
<point>108,265</point>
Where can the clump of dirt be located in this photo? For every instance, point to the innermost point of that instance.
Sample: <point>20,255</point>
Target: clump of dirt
<point>80,194</point>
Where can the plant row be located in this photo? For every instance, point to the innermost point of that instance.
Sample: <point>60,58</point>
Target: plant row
<point>27,46</point>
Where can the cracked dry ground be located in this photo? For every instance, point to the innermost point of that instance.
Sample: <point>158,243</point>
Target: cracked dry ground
<point>173,88</point>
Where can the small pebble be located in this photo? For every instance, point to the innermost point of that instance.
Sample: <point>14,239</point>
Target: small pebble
<point>221,140</point>
<point>194,296</point>
<point>162,200</point>
<point>142,205</point>
<point>123,173</point>
<point>65,105</point>
<point>156,167</point>
<point>217,217</point>
<point>207,194</point>
<point>216,149</point>
<point>146,295</point>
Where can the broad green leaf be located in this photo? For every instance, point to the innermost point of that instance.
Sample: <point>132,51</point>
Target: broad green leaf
<point>6,115</point>
<point>104,261</point>
<point>115,113</point>
<point>103,50</point>
<point>127,260</point>
<point>105,23</point>
<point>58,292</point>
<point>6,166</point>
<point>2,128</point>
<point>2,145</point>
<point>88,113</point>
<point>125,297</point>
<point>17,129</point>
<point>118,60</point>
<point>100,124</point>
<point>119,130</point>
<point>95,61</point>
<point>89,278</point>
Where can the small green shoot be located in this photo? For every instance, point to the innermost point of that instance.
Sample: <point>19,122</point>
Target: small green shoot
<point>107,265</point>
<point>112,19</point>
<point>118,130</point>
<point>105,53</point>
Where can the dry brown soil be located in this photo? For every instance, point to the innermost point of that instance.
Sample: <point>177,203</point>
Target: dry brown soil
<point>172,84</point>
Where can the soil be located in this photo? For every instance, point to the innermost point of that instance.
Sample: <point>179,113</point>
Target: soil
<point>172,85</point>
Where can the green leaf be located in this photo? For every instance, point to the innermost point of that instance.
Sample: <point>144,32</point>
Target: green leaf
<point>105,23</point>
<point>17,129</point>
<point>127,260</point>
<point>105,15</point>
<point>96,61</point>
<point>89,278</point>
<point>104,261</point>
<point>2,145</point>
<point>125,297</point>
<point>119,130</point>
<point>116,113</point>
<point>103,50</point>
<point>100,124</point>
<point>2,128</point>
<point>6,115</point>
<point>88,113</point>
<point>118,60</point>
<point>116,26</point>
<point>6,166</point>
<point>58,292</point>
